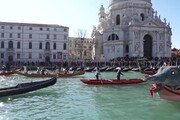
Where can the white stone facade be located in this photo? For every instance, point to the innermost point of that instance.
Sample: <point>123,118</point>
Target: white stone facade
<point>131,28</point>
<point>33,42</point>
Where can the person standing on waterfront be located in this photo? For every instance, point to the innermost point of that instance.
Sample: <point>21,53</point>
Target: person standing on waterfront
<point>119,73</point>
<point>97,73</point>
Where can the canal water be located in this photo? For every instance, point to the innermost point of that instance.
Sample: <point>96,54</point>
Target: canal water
<point>70,99</point>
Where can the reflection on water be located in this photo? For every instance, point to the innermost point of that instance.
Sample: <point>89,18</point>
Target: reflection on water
<point>70,99</point>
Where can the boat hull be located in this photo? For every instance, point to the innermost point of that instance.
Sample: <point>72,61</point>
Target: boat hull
<point>35,75</point>
<point>149,72</point>
<point>112,82</point>
<point>27,87</point>
<point>7,73</point>
<point>169,94</point>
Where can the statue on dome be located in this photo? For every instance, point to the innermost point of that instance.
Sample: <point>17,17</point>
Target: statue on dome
<point>168,24</point>
<point>165,21</point>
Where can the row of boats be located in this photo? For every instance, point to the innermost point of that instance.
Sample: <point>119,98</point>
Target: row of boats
<point>88,81</point>
<point>81,71</point>
<point>32,86</point>
<point>165,92</point>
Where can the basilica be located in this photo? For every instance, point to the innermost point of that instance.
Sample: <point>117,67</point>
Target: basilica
<point>131,28</point>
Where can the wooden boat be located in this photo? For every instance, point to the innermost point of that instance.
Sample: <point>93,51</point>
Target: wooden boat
<point>102,69</point>
<point>110,69</point>
<point>7,73</point>
<point>27,87</point>
<point>52,75</point>
<point>113,82</point>
<point>166,93</point>
<point>136,69</point>
<point>89,69</point>
<point>80,69</point>
<point>71,74</point>
<point>148,72</point>
<point>126,69</point>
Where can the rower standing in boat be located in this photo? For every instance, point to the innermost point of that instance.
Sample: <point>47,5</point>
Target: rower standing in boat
<point>43,71</point>
<point>25,69</point>
<point>38,70</point>
<point>119,73</point>
<point>57,71</point>
<point>97,73</point>
<point>3,68</point>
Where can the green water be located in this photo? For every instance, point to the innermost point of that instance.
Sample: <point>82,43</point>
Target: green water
<point>70,99</point>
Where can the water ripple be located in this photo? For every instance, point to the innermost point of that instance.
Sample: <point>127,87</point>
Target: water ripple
<point>70,99</point>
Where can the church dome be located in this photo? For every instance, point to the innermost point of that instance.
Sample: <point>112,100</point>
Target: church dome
<point>115,1</point>
<point>113,4</point>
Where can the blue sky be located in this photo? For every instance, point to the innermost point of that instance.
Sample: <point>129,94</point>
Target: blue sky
<point>78,14</point>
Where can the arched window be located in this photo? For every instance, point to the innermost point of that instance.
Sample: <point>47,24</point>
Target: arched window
<point>64,46</point>
<point>142,16</point>
<point>10,44</point>
<point>40,45</point>
<point>118,20</point>
<point>109,38</point>
<point>18,45</point>
<point>113,37</point>
<point>47,45</point>
<point>54,46</point>
<point>127,48</point>
<point>2,44</point>
<point>30,45</point>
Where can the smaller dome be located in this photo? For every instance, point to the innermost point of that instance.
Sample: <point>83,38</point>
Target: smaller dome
<point>102,8</point>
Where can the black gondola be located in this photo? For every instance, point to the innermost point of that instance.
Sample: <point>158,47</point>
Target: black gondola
<point>89,69</point>
<point>27,87</point>
<point>110,69</point>
<point>102,69</point>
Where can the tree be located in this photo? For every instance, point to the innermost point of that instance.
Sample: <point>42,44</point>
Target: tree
<point>174,49</point>
<point>81,33</point>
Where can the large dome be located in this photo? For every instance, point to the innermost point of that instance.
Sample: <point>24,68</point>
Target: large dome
<point>117,3</point>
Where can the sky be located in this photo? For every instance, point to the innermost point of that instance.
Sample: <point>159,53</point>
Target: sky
<point>78,14</point>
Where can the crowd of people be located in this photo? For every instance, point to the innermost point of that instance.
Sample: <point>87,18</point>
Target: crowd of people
<point>58,67</point>
<point>120,61</point>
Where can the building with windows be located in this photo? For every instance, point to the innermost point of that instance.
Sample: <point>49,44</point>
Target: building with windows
<point>81,48</point>
<point>131,28</point>
<point>33,42</point>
